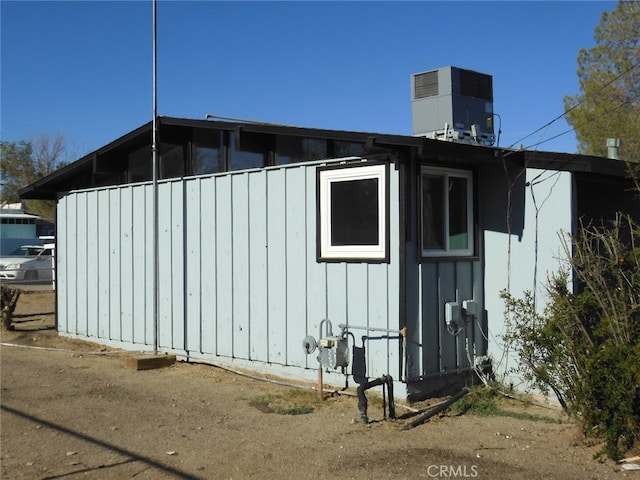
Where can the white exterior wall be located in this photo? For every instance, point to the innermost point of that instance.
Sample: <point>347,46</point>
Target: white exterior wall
<point>525,263</point>
<point>238,277</point>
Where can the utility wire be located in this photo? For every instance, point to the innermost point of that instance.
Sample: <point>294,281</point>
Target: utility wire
<point>606,112</point>
<point>575,155</point>
<point>576,105</point>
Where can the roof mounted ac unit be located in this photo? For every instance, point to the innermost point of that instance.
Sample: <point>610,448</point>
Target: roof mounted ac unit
<point>453,104</point>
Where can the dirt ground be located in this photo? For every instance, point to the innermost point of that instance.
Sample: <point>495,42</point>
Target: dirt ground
<point>71,410</point>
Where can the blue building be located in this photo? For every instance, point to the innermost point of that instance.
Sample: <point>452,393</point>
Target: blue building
<point>20,228</point>
<point>264,231</point>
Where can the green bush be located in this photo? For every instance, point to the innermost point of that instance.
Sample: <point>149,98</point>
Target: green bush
<point>585,347</point>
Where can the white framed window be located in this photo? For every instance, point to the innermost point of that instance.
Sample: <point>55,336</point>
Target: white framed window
<point>446,212</point>
<point>353,213</point>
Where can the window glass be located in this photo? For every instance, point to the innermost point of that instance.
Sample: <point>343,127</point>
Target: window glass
<point>447,220</point>
<point>348,149</point>
<point>171,161</point>
<point>208,160</point>
<point>207,152</point>
<point>432,212</point>
<point>353,218</point>
<point>139,165</point>
<point>26,251</point>
<point>458,220</point>
<point>243,160</point>
<point>248,151</point>
<point>354,212</point>
<point>297,149</point>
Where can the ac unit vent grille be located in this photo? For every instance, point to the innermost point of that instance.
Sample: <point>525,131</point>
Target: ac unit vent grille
<point>476,85</point>
<point>426,85</point>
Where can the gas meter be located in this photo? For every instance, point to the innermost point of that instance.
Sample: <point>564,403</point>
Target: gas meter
<point>333,350</point>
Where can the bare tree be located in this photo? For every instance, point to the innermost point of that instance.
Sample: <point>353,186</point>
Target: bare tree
<point>24,162</point>
<point>49,153</point>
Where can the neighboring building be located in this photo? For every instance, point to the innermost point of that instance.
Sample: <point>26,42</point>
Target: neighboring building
<point>19,228</point>
<point>266,230</point>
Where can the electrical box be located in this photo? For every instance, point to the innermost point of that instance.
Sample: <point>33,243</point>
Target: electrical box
<point>470,307</point>
<point>334,352</point>
<point>452,313</point>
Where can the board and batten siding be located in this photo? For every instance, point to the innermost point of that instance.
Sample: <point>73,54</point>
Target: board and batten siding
<point>433,349</point>
<point>238,276</point>
<point>448,350</point>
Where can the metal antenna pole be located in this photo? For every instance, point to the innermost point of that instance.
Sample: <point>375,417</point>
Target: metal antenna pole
<point>154,161</point>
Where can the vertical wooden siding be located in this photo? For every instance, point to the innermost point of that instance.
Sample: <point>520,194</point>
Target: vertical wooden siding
<point>433,349</point>
<point>238,273</point>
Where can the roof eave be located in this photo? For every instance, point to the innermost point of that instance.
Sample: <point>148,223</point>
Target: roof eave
<point>60,181</point>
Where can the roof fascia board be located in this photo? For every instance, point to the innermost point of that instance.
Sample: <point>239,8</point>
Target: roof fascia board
<point>270,128</point>
<point>574,162</point>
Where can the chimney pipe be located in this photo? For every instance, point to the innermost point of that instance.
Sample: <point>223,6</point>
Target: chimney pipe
<point>613,147</point>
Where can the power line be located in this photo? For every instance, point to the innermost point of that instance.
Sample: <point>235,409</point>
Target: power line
<point>575,106</point>
<point>606,112</point>
<point>572,157</point>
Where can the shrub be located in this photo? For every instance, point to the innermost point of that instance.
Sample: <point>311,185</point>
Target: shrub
<point>585,347</point>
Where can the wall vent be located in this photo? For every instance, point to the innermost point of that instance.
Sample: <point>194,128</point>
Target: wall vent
<point>476,85</point>
<point>426,85</point>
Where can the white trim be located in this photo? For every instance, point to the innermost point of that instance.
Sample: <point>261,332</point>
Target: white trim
<point>447,251</point>
<point>327,177</point>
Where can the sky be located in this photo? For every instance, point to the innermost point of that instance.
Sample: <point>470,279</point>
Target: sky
<point>84,68</point>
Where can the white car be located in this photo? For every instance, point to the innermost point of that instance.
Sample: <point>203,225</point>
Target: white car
<point>28,263</point>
